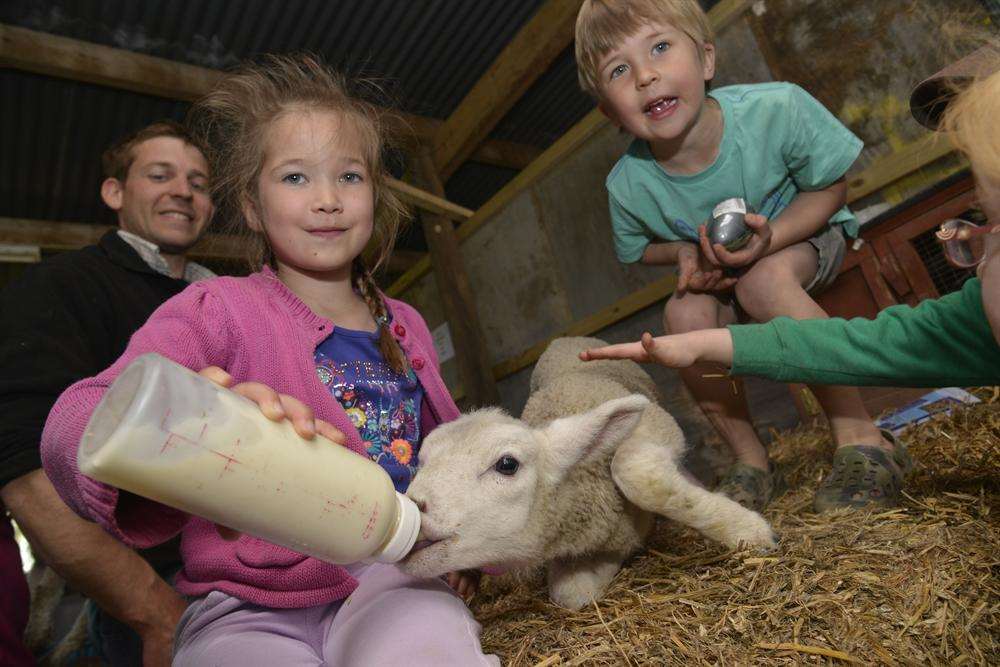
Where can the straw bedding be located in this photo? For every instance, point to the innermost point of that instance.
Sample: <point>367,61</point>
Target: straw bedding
<point>916,585</point>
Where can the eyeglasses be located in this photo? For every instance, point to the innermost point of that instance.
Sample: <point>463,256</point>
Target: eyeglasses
<point>963,242</point>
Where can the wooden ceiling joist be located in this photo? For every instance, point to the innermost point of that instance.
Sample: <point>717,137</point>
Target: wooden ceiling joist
<point>58,236</point>
<point>66,58</point>
<point>522,61</point>
<point>429,202</point>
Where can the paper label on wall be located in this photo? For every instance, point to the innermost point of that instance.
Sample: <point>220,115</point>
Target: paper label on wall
<point>442,343</point>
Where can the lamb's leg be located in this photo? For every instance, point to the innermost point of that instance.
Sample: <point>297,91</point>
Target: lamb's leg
<point>574,583</point>
<point>648,475</point>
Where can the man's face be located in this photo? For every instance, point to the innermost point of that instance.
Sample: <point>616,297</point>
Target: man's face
<point>165,197</point>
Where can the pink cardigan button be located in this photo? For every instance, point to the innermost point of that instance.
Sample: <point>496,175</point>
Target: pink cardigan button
<point>400,330</point>
<point>417,364</point>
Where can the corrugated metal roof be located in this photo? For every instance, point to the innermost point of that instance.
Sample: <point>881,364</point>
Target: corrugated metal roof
<point>51,139</point>
<point>427,53</point>
<point>432,50</point>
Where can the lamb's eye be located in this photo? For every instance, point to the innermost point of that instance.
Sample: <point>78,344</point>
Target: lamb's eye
<point>506,465</point>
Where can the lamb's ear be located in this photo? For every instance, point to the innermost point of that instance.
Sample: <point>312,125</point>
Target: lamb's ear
<point>593,433</point>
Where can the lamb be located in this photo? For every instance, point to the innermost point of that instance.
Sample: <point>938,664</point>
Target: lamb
<point>574,485</point>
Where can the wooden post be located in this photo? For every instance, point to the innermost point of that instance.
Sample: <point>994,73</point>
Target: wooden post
<point>473,360</point>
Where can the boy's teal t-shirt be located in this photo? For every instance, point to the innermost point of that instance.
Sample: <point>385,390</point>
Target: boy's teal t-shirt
<point>777,141</point>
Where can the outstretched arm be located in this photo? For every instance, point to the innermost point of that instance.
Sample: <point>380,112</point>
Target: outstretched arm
<point>677,351</point>
<point>946,341</point>
<point>119,580</point>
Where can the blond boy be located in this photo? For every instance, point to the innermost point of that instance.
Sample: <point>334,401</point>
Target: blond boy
<point>649,63</point>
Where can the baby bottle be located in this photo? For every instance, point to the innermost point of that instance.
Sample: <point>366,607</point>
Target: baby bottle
<point>168,434</point>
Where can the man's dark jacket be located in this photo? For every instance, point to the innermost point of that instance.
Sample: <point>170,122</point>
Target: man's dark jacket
<point>63,320</point>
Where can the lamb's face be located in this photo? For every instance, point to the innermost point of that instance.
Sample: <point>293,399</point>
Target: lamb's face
<point>476,484</point>
<point>484,481</point>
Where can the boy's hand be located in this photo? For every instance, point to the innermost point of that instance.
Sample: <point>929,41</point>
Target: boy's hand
<point>695,275</point>
<point>756,248</point>
<point>671,351</point>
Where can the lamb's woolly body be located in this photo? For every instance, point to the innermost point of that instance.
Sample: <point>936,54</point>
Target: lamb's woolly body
<point>588,511</point>
<point>582,500</point>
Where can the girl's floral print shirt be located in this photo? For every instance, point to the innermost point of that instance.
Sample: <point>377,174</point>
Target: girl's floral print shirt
<point>383,405</point>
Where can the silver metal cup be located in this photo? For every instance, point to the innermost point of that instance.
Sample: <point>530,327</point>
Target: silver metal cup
<point>728,225</point>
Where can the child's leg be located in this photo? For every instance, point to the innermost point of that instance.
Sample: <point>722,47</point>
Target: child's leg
<point>395,619</point>
<point>774,287</point>
<point>222,630</point>
<point>722,400</point>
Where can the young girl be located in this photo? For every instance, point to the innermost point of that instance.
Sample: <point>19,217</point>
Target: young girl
<point>300,162</point>
<point>946,341</point>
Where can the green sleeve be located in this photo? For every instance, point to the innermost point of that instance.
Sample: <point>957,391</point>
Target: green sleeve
<point>941,342</point>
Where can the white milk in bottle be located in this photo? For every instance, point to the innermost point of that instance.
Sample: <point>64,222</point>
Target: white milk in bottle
<point>168,434</point>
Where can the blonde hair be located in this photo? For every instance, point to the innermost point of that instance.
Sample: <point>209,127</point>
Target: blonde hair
<point>232,121</point>
<point>602,25</point>
<point>970,120</point>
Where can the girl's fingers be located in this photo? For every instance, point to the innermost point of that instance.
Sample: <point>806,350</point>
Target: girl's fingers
<point>300,414</point>
<point>330,432</point>
<point>277,406</point>
<point>217,375</point>
<point>755,221</point>
<point>268,399</point>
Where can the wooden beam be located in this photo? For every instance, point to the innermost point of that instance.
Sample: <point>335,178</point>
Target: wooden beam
<point>522,61</point>
<point>62,57</point>
<point>726,12</point>
<point>429,202</point>
<point>49,235</point>
<point>500,153</point>
<point>456,296</point>
<point>561,149</point>
<point>620,309</point>
<point>894,166</point>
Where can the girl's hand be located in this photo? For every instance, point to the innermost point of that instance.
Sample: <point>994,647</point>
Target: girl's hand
<point>671,351</point>
<point>756,248</point>
<point>695,275</point>
<point>465,583</point>
<point>275,407</point>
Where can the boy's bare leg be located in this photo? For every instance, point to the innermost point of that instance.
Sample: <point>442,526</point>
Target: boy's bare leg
<point>773,287</point>
<point>722,401</point>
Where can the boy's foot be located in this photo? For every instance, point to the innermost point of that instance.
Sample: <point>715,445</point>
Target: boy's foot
<point>864,475</point>
<point>751,487</point>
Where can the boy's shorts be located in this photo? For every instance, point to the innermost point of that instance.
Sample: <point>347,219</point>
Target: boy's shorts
<point>831,248</point>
